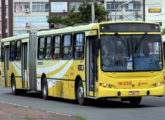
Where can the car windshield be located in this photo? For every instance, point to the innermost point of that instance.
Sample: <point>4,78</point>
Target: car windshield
<point>131,53</point>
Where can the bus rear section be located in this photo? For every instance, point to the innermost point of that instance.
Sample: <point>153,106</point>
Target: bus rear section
<point>131,61</point>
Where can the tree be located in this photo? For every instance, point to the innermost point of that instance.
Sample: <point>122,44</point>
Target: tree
<point>83,16</point>
<point>163,31</point>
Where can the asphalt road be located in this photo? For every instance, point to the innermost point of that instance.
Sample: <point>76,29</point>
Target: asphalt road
<point>151,108</point>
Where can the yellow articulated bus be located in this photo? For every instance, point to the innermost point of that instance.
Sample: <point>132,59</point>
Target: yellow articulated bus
<point>102,60</point>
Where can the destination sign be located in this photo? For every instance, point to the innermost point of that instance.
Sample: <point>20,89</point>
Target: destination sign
<point>129,27</point>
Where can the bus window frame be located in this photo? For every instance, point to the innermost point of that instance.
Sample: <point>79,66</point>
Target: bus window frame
<point>54,47</point>
<point>38,54</point>
<point>62,47</point>
<point>15,52</point>
<point>45,44</point>
<point>2,52</point>
<point>74,45</point>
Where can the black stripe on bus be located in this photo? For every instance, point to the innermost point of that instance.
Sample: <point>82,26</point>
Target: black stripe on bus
<point>18,76</point>
<point>62,79</point>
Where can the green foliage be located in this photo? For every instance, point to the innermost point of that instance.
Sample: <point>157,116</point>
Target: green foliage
<point>29,118</point>
<point>55,19</point>
<point>163,31</point>
<point>78,117</point>
<point>83,16</point>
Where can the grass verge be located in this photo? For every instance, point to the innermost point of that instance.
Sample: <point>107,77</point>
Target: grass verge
<point>29,118</point>
<point>78,117</point>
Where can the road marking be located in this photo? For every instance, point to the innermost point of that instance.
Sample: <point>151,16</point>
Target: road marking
<point>29,107</point>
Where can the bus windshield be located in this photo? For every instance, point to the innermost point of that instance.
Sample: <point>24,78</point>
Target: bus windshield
<point>131,53</point>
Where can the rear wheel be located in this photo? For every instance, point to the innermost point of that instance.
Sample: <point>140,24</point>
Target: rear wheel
<point>13,86</point>
<point>80,93</point>
<point>45,89</point>
<point>135,100</point>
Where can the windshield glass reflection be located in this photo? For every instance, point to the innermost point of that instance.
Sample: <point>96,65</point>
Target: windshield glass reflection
<point>131,53</point>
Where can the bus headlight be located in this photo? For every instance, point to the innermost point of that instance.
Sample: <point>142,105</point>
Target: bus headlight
<point>104,85</point>
<point>159,84</point>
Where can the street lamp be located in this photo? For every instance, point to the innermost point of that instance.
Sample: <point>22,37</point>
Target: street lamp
<point>93,10</point>
<point>120,6</point>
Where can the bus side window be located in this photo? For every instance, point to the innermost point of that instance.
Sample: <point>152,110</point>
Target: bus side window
<point>48,48</point>
<point>41,48</point>
<point>2,52</point>
<point>79,46</point>
<point>67,47</point>
<point>12,51</point>
<point>18,50</point>
<point>56,47</point>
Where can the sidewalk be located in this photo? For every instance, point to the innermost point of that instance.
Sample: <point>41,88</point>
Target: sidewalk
<point>14,112</point>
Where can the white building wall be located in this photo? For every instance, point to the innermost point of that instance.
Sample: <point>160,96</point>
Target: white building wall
<point>26,19</point>
<point>127,11</point>
<point>158,11</point>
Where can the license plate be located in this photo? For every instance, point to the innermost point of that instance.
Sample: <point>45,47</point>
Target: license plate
<point>133,92</point>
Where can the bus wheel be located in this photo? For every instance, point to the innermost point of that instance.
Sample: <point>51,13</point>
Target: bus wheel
<point>13,86</point>
<point>135,100</point>
<point>80,93</point>
<point>45,89</point>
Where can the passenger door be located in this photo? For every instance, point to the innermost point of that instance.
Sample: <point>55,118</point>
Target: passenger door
<point>6,65</point>
<point>91,66</point>
<point>24,65</point>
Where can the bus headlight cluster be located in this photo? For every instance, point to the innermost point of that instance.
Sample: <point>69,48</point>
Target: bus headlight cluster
<point>157,84</point>
<point>106,85</point>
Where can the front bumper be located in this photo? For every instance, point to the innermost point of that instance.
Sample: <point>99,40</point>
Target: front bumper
<point>110,92</point>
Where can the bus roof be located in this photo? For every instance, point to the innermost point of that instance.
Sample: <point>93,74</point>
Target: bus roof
<point>23,36</point>
<point>70,29</point>
<point>128,22</point>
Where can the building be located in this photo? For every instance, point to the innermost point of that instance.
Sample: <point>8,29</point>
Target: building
<point>30,16</point>
<point>155,11</point>
<point>22,16</point>
<point>125,10</point>
<point>62,7</point>
<point>0,21</point>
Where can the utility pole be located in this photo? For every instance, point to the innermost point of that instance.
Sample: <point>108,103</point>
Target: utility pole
<point>93,10</point>
<point>144,7</point>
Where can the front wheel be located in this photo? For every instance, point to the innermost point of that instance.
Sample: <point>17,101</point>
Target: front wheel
<point>80,93</point>
<point>45,89</point>
<point>135,100</point>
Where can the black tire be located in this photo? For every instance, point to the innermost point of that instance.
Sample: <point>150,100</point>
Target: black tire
<point>135,100</point>
<point>13,86</point>
<point>80,93</point>
<point>45,89</point>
